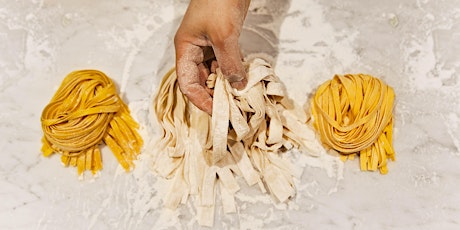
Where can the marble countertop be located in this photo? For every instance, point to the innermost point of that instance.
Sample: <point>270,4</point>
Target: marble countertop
<point>411,45</point>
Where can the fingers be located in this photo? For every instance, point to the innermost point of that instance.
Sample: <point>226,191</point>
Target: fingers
<point>206,24</point>
<point>214,66</point>
<point>224,35</point>
<point>198,96</point>
<point>190,79</point>
<point>192,76</point>
<point>228,56</point>
<point>204,74</point>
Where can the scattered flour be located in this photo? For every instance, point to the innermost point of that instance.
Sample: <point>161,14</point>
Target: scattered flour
<point>135,39</point>
<point>301,59</point>
<point>302,64</point>
<point>452,122</point>
<point>306,61</point>
<point>292,66</point>
<point>423,64</point>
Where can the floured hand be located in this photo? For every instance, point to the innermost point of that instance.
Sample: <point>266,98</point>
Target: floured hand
<point>210,29</point>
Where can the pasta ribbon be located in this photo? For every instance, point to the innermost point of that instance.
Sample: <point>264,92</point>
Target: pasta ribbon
<point>245,136</point>
<point>84,112</point>
<point>353,114</point>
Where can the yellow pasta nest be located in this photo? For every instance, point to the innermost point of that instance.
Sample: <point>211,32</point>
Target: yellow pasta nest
<point>353,114</point>
<point>85,111</point>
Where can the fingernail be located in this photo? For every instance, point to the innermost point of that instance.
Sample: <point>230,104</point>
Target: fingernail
<point>239,85</point>
<point>235,78</point>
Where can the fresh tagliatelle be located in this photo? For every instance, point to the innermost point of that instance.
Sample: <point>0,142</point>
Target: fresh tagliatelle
<point>245,136</point>
<point>353,114</point>
<point>84,112</point>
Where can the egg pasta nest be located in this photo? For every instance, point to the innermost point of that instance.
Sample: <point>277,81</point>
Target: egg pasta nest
<point>84,112</point>
<point>353,114</point>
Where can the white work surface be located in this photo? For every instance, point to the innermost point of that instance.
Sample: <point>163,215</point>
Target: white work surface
<point>412,45</point>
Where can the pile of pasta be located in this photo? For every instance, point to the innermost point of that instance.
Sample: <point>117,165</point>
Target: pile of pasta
<point>84,112</point>
<point>246,135</point>
<point>354,115</point>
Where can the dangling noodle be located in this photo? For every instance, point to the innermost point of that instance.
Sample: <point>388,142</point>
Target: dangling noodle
<point>353,114</point>
<point>245,136</point>
<point>84,112</point>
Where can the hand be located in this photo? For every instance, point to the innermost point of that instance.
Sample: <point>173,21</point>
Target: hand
<point>209,27</point>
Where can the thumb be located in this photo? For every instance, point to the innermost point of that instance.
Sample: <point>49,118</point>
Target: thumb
<point>228,57</point>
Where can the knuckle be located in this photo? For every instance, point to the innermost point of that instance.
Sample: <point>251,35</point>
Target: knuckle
<point>177,39</point>
<point>184,88</point>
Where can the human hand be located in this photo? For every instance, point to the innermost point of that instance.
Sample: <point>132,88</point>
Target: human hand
<point>209,27</point>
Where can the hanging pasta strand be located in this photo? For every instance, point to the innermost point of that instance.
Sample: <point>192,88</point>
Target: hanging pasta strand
<point>245,136</point>
<point>84,112</point>
<point>353,114</point>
